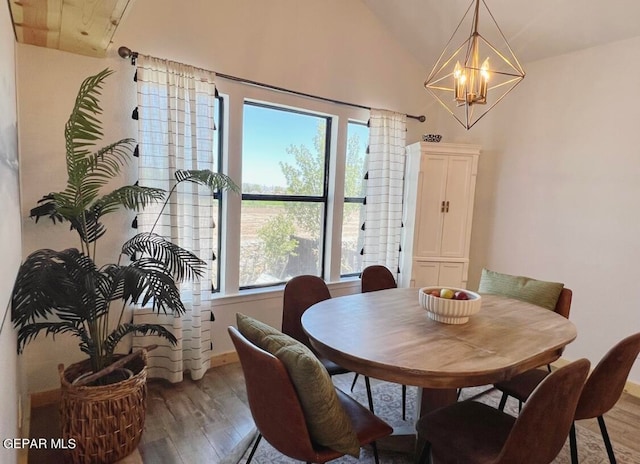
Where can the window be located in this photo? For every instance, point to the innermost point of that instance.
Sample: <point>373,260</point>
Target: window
<point>285,166</point>
<point>353,216</point>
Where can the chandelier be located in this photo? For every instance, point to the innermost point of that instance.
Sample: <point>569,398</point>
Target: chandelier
<point>474,72</point>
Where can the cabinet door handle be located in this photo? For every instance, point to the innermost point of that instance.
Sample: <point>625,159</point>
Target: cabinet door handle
<point>447,209</point>
<point>442,207</point>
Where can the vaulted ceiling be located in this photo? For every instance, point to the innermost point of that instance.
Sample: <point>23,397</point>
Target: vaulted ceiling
<point>535,29</point>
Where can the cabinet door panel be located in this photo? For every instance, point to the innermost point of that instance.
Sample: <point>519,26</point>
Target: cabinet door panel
<point>425,274</point>
<point>454,229</point>
<point>451,274</point>
<point>431,194</point>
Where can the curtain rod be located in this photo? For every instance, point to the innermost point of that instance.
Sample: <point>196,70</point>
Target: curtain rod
<point>126,52</point>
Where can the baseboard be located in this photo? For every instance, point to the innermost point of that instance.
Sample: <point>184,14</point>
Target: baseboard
<point>221,359</point>
<point>631,388</point>
<point>45,398</point>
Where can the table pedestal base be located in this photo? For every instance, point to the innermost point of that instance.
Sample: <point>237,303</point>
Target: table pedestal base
<point>404,438</point>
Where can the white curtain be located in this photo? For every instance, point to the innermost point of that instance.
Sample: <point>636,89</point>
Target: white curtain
<point>384,189</point>
<point>176,131</point>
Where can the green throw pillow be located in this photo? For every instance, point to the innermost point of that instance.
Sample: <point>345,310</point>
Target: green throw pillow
<point>328,423</point>
<point>537,292</point>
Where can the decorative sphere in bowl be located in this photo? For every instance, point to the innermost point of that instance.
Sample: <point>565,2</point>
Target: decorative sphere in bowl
<point>451,305</point>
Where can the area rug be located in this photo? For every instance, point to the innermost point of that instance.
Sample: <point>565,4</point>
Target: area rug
<point>388,405</point>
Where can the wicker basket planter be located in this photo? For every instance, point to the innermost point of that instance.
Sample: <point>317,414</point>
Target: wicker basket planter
<point>107,421</point>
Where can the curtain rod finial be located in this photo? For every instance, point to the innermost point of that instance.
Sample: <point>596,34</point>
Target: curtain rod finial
<point>124,52</point>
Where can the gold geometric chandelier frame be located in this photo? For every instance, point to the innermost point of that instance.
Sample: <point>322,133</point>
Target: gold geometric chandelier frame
<point>474,73</point>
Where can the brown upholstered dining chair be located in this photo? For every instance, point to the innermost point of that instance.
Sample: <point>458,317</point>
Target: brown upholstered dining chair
<point>601,392</point>
<point>475,433</point>
<point>279,416</point>
<point>300,293</point>
<point>374,278</point>
<point>524,381</point>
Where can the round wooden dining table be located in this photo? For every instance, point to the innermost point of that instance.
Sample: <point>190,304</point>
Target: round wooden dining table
<point>387,335</point>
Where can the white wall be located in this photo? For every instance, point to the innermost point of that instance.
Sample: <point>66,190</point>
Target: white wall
<point>9,233</point>
<point>558,189</point>
<point>333,48</point>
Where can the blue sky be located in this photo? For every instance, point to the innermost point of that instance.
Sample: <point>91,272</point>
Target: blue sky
<point>268,133</point>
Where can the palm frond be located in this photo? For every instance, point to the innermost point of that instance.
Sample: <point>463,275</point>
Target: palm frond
<point>132,197</point>
<point>47,207</point>
<point>148,280</point>
<point>83,128</point>
<point>28,332</point>
<point>88,225</point>
<point>141,329</point>
<point>97,169</point>
<point>112,157</point>
<point>215,181</point>
<point>45,284</point>
<point>181,263</point>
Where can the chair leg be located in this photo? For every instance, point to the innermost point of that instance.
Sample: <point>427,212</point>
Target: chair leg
<point>255,446</point>
<point>573,445</point>
<point>607,441</point>
<point>369,396</point>
<point>404,401</point>
<point>374,447</point>
<point>503,401</point>
<point>425,454</point>
<point>355,379</point>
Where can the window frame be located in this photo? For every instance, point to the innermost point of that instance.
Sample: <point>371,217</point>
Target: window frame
<point>323,198</point>
<point>217,195</point>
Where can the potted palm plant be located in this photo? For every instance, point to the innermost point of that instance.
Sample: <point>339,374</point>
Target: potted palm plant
<point>67,292</point>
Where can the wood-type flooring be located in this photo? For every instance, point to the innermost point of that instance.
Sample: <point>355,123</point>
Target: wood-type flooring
<point>204,421</point>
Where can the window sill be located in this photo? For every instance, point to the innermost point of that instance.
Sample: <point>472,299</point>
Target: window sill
<point>257,294</point>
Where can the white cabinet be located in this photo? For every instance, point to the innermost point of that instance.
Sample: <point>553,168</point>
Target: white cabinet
<point>440,183</point>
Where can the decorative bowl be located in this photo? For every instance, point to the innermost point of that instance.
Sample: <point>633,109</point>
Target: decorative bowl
<point>449,311</point>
